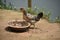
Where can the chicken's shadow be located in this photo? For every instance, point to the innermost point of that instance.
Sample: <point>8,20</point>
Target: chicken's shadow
<point>9,29</point>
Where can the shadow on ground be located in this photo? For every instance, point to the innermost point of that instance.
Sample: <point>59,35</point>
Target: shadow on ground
<point>10,29</point>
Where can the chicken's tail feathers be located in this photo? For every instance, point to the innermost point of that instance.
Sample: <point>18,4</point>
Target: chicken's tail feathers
<point>40,15</point>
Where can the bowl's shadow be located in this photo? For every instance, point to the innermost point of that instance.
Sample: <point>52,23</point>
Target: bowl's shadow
<point>16,30</point>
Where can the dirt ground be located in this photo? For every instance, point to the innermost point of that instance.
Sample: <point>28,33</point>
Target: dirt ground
<point>44,31</point>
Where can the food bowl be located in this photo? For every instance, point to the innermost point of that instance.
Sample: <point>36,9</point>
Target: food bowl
<point>18,25</point>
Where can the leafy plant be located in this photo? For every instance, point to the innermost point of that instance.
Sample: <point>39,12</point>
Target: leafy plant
<point>1,4</point>
<point>57,19</point>
<point>47,16</point>
<point>4,6</point>
<point>31,11</point>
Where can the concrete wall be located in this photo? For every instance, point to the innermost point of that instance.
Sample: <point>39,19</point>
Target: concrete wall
<point>49,5</point>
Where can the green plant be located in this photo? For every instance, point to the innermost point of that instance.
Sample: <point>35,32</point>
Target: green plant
<point>57,19</point>
<point>10,6</point>
<point>31,11</point>
<point>1,4</point>
<point>4,6</point>
<point>47,16</point>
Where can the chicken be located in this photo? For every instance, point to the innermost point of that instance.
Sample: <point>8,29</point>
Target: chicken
<point>34,19</point>
<point>31,18</point>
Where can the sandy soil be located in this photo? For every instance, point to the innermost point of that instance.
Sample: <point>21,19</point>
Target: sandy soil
<point>44,31</point>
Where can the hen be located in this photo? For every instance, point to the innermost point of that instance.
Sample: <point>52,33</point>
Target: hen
<point>31,18</point>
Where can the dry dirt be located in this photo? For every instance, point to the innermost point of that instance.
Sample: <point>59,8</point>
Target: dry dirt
<point>44,31</point>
